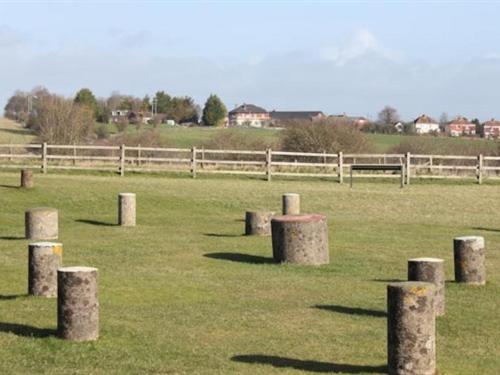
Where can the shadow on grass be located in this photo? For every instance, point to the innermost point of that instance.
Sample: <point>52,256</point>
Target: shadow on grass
<point>312,366</point>
<point>26,330</point>
<point>96,222</point>
<point>16,131</point>
<point>12,238</point>
<point>239,257</point>
<point>388,280</point>
<point>10,186</point>
<point>222,235</point>
<point>352,310</point>
<point>487,229</point>
<point>8,297</point>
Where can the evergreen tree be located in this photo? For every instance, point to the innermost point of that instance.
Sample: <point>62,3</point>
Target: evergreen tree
<point>214,111</point>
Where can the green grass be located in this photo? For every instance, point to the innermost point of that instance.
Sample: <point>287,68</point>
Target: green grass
<point>185,293</point>
<point>12,132</point>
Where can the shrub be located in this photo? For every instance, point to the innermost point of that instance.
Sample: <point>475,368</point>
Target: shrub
<point>233,140</point>
<point>122,125</point>
<point>323,136</point>
<point>446,146</point>
<point>102,132</point>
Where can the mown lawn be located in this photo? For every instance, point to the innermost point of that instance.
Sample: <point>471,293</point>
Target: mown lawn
<point>184,292</point>
<point>12,132</point>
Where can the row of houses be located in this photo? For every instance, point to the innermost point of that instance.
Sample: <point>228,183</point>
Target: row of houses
<point>255,116</point>
<point>459,126</point>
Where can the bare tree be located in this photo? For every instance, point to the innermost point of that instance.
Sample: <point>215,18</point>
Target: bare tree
<point>59,120</point>
<point>388,116</point>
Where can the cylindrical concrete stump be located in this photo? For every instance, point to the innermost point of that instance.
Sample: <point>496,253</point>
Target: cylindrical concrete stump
<point>411,328</point>
<point>27,180</point>
<point>44,258</point>
<point>469,255</point>
<point>126,209</point>
<point>300,239</point>
<point>258,223</point>
<point>430,270</point>
<point>291,204</point>
<point>77,304</point>
<point>41,223</point>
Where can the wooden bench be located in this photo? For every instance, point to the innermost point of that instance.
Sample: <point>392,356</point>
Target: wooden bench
<point>379,167</point>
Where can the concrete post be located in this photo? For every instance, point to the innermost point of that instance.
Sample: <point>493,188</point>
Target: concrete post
<point>411,329</point>
<point>258,223</point>
<point>44,258</point>
<point>41,223</point>
<point>300,239</point>
<point>77,304</point>
<point>469,255</point>
<point>126,209</point>
<point>291,204</point>
<point>430,270</point>
<point>27,180</point>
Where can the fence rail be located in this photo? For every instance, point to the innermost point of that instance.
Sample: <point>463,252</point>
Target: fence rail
<point>267,163</point>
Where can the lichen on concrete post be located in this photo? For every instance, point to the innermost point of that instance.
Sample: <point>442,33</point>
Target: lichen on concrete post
<point>44,258</point>
<point>126,209</point>
<point>430,270</point>
<point>77,304</point>
<point>469,256</point>
<point>411,328</point>
<point>300,239</point>
<point>27,179</point>
<point>291,204</point>
<point>258,223</point>
<point>41,223</point>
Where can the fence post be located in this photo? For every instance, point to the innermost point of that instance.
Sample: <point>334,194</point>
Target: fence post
<point>202,157</point>
<point>138,155</point>
<point>479,171</point>
<point>122,160</point>
<point>407,168</point>
<point>269,154</point>
<point>340,171</point>
<point>74,154</point>
<point>193,162</point>
<point>44,157</point>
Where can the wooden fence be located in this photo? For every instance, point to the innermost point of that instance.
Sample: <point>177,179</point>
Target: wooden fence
<point>266,163</point>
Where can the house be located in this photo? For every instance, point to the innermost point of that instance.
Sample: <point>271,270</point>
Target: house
<point>119,114</point>
<point>491,129</point>
<point>460,126</point>
<point>282,117</point>
<point>399,127</point>
<point>356,121</point>
<point>425,125</point>
<point>248,115</point>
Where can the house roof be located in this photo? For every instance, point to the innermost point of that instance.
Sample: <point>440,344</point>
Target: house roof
<point>492,122</point>
<point>424,119</point>
<point>349,118</point>
<point>294,115</point>
<point>461,120</point>
<point>247,108</point>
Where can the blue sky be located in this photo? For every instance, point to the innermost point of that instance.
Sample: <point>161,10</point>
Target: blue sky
<point>353,57</point>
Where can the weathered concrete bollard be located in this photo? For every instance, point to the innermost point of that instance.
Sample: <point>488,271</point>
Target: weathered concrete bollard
<point>291,204</point>
<point>411,328</point>
<point>430,270</point>
<point>27,180</point>
<point>77,304</point>
<point>44,258</point>
<point>41,223</point>
<point>126,209</point>
<point>469,254</point>
<point>258,223</point>
<point>300,239</point>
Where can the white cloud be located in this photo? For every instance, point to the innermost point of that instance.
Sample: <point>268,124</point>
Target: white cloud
<point>361,44</point>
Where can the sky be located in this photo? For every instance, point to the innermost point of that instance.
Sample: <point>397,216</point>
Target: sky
<point>335,56</point>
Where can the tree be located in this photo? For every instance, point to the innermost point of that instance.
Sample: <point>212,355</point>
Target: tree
<point>87,98</point>
<point>183,109</point>
<point>479,127</point>
<point>61,121</point>
<point>388,116</point>
<point>163,102</point>
<point>214,111</point>
<point>443,121</point>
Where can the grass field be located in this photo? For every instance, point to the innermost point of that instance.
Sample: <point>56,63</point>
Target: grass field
<point>185,293</point>
<point>12,132</point>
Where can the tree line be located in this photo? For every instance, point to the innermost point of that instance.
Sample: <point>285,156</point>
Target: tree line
<point>58,119</point>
